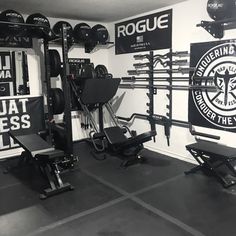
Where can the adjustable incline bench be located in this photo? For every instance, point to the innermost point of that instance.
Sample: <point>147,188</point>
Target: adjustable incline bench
<point>48,158</point>
<point>210,156</point>
<point>101,91</point>
<point>129,147</point>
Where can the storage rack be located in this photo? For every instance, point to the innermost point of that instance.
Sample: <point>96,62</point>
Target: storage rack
<point>47,38</point>
<point>167,121</point>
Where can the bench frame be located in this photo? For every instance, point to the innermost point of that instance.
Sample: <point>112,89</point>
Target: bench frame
<point>209,162</point>
<point>48,159</point>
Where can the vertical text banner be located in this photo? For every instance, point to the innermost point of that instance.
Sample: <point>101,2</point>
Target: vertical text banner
<point>215,65</point>
<point>23,115</point>
<point>151,32</point>
<point>7,77</point>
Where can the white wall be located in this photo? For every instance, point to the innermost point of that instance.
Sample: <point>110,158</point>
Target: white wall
<point>186,16</point>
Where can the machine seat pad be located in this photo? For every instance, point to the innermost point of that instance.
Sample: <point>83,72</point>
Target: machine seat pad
<point>99,91</point>
<point>115,136</point>
<point>212,148</point>
<point>50,155</point>
<point>31,142</point>
<point>139,139</point>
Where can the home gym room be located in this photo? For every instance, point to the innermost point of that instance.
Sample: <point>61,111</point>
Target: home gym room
<point>117,118</point>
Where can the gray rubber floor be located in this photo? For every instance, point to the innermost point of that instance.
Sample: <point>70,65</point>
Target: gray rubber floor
<point>150,199</point>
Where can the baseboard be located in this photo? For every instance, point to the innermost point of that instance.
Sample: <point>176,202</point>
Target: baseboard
<point>171,154</point>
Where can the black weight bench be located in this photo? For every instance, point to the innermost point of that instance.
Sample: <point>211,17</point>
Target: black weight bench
<point>210,157</point>
<point>48,159</point>
<point>129,147</point>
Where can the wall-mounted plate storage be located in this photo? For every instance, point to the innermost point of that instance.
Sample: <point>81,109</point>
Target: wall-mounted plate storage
<point>217,28</point>
<point>47,33</point>
<point>89,47</point>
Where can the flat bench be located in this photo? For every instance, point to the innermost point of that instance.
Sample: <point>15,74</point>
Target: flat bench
<point>48,158</point>
<point>210,156</point>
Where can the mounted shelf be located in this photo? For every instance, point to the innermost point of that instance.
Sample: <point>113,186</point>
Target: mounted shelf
<point>90,47</point>
<point>217,28</point>
<point>45,32</point>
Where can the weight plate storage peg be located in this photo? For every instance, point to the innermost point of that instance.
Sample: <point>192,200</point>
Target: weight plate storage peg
<point>12,16</point>
<point>54,62</point>
<point>39,20</point>
<point>100,33</point>
<point>82,32</point>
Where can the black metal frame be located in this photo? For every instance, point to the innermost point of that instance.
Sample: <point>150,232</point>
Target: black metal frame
<point>65,75</point>
<point>66,91</point>
<point>47,38</point>
<point>13,61</point>
<point>217,28</point>
<point>47,158</point>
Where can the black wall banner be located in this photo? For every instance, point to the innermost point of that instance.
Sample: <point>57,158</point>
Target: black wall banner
<point>151,32</point>
<point>16,42</point>
<point>21,115</point>
<point>7,77</point>
<point>214,109</point>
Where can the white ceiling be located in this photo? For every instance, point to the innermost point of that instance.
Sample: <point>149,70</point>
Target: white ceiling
<point>91,10</point>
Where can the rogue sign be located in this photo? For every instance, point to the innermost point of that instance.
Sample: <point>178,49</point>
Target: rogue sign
<point>145,33</point>
<point>7,77</point>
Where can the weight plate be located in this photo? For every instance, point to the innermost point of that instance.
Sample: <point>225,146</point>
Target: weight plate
<point>55,63</point>
<point>101,71</point>
<point>58,101</point>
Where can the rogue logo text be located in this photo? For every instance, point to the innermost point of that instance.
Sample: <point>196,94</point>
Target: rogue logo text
<point>161,22</point>
<point>218,107</point>
<point>151,32</point>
